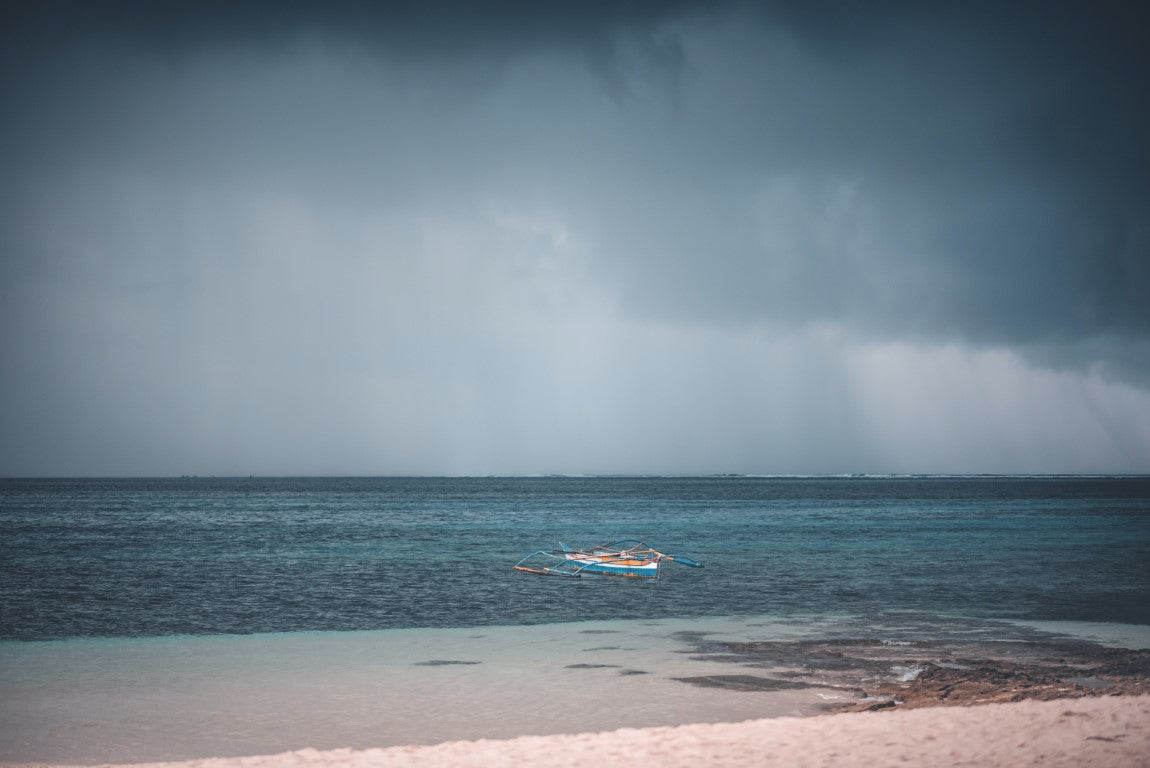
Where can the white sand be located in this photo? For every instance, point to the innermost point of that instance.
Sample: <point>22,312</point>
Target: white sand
<point>1108,731</point>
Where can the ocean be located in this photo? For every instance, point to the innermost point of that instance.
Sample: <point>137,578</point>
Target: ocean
<point>146,619</point>
<point>203,556</point>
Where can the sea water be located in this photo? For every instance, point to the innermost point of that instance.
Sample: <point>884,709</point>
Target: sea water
<point>162,619</point>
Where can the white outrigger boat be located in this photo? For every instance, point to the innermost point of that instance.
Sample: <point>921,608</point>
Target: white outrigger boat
<point>625,557</point>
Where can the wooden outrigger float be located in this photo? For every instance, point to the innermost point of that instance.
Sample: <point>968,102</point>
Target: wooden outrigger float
<point>630,558</point>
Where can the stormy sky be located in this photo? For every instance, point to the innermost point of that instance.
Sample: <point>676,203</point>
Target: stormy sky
<point>599,237</point>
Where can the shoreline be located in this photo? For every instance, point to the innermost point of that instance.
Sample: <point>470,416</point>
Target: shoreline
<point>183,700</point>
<point>1112,731</point>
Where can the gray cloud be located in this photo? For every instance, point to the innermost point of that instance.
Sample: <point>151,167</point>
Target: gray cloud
<point>930,157</point>
<point>534,237</point>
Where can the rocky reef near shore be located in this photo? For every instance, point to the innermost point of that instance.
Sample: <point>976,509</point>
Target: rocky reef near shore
<point>874,674</point>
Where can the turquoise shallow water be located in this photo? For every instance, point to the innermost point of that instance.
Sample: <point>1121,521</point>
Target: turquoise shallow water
<point>98,700</point>
<point>195,556</point>
<point>122,700</point>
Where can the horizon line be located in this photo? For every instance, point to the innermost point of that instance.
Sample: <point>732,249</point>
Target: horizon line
<point>605,475</point>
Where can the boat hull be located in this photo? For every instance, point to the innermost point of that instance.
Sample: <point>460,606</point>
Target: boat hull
<point>639,569</point>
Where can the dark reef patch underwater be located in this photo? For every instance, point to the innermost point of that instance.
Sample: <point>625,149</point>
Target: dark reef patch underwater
<point>910,674</point>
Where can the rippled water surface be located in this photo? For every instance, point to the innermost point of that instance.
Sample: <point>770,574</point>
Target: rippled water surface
<point>212,556</point>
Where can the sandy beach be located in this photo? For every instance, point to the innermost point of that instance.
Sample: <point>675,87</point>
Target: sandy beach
<point>1111,731</point>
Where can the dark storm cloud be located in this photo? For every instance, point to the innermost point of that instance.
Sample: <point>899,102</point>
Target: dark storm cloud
<point>441,222</point>
<point>395,29</point>
<point>79,76</point>
<point>1001,146</point>
<point>994,155</point>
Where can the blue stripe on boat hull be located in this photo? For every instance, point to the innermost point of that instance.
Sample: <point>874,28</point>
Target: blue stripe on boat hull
<point>618,570</point>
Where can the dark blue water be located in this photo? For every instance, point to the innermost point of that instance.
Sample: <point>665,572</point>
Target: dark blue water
<point>207,556</point>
